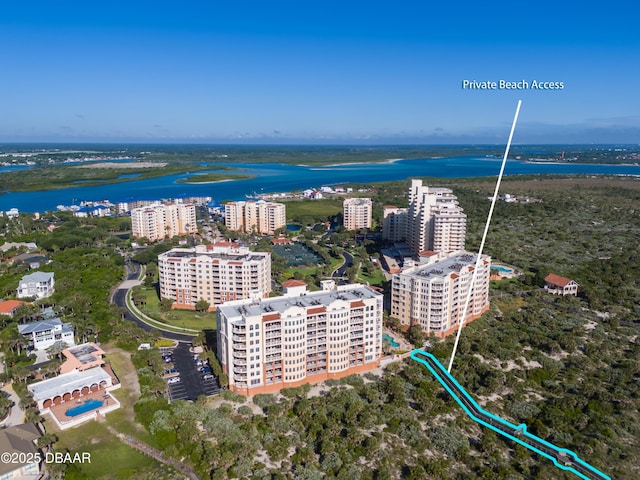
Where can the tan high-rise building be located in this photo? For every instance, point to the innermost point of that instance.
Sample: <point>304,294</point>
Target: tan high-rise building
<point>435,221</point>
<point>357,213</point>
<point>305,337</point>
<point>394,223</point>
<point>216,273</point>
<point>156,222</point>
<point>434,295</point>
<point>251,216</point>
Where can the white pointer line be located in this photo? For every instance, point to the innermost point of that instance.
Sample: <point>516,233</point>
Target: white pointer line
<point>484,237</point>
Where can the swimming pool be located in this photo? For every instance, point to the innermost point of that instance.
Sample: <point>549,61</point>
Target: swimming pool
<point>87,406</point>
<point>501,269</point>
<point>390,339</point>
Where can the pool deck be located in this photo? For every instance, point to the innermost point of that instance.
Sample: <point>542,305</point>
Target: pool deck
<point>507,271</point>
<point>59,412</point>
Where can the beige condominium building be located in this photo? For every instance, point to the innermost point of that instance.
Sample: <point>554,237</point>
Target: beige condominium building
<point>357,213</point>
<point>434,295</point>
<point>394,223</point>
<point>435,220</point>
<point>251,216</point>
<point>216,273</point>
<point>158,221</point>
<point>301,337</point>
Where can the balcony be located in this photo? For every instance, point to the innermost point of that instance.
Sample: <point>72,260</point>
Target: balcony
<point>239,346</point>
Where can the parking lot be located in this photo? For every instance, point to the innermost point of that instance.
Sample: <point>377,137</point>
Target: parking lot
<point>193,382</point>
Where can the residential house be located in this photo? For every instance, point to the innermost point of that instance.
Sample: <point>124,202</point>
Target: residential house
<point>9,307</point>
<point>18,443</point>
<point>37,284</point>
<point>45,333</point>
<point>558,285</point>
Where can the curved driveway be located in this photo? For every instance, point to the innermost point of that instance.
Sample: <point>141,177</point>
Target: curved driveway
<point>119,298</point>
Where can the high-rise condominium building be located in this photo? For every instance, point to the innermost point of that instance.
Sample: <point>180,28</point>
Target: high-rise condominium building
<point>156,222</point>
<point>286,341</point>
<point>434,295</point>
<point>394,223</point>
<point>259,217</point>
<point>216,273</point>
<point>357,213</point>
<point>435,221</point>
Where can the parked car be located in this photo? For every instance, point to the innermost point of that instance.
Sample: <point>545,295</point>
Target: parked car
<point>208,376</point>
<point>173,380</point>
<point>206,370</point>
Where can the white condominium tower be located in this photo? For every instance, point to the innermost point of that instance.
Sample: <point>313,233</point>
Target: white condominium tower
<point>157,221</point>
<point>357,213</point>
<point>259,217</point>
<point>282,342</point>
<point>433,295</point>
<point>435,220</point>
<point>216,273</point>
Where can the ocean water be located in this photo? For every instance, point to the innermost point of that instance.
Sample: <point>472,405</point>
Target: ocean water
<point>275,177</point>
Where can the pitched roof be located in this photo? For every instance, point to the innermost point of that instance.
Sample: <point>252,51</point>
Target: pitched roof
<point>8,306</point>
<point>37,277</point>
<point>40,326</point>
<point>19,439</point>
<point>293,283</point>
<point>557,280</point>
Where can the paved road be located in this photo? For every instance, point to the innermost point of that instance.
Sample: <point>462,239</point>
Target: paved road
<point>348,262</point>
<point>16,416</point>
<point>119,298</point>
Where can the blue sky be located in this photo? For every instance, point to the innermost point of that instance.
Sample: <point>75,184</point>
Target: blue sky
<point>316,72</point>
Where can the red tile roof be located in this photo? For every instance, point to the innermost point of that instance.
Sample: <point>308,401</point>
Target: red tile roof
<point>293,283</point>
<point>7,307</point>
<point>557,280</point>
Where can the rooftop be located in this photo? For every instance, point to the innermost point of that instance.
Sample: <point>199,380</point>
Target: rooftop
<point>43,326</point>
<point>8,306</point>
<point>557,280</point>
<point>441,268</point>
<point>67,382</point>
<point>38,277</point>
<point>18,439</point>
<point>248,308</point>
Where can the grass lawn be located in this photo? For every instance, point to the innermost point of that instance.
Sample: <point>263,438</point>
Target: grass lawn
<point>110,458</point>
<point>177,318</point>
<point>376,279</point>
<point>319,210</point>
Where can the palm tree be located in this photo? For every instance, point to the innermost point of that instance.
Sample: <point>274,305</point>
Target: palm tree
<point>5,404</point>
<point>56,349</point>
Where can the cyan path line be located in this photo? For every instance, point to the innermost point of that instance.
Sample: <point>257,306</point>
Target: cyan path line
<point>521,429</point>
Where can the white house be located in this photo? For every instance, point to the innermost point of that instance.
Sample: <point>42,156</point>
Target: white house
<point>37,284</point>
<point>45,333</point>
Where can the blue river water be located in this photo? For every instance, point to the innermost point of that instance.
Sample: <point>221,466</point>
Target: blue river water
<point>275,177</point>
